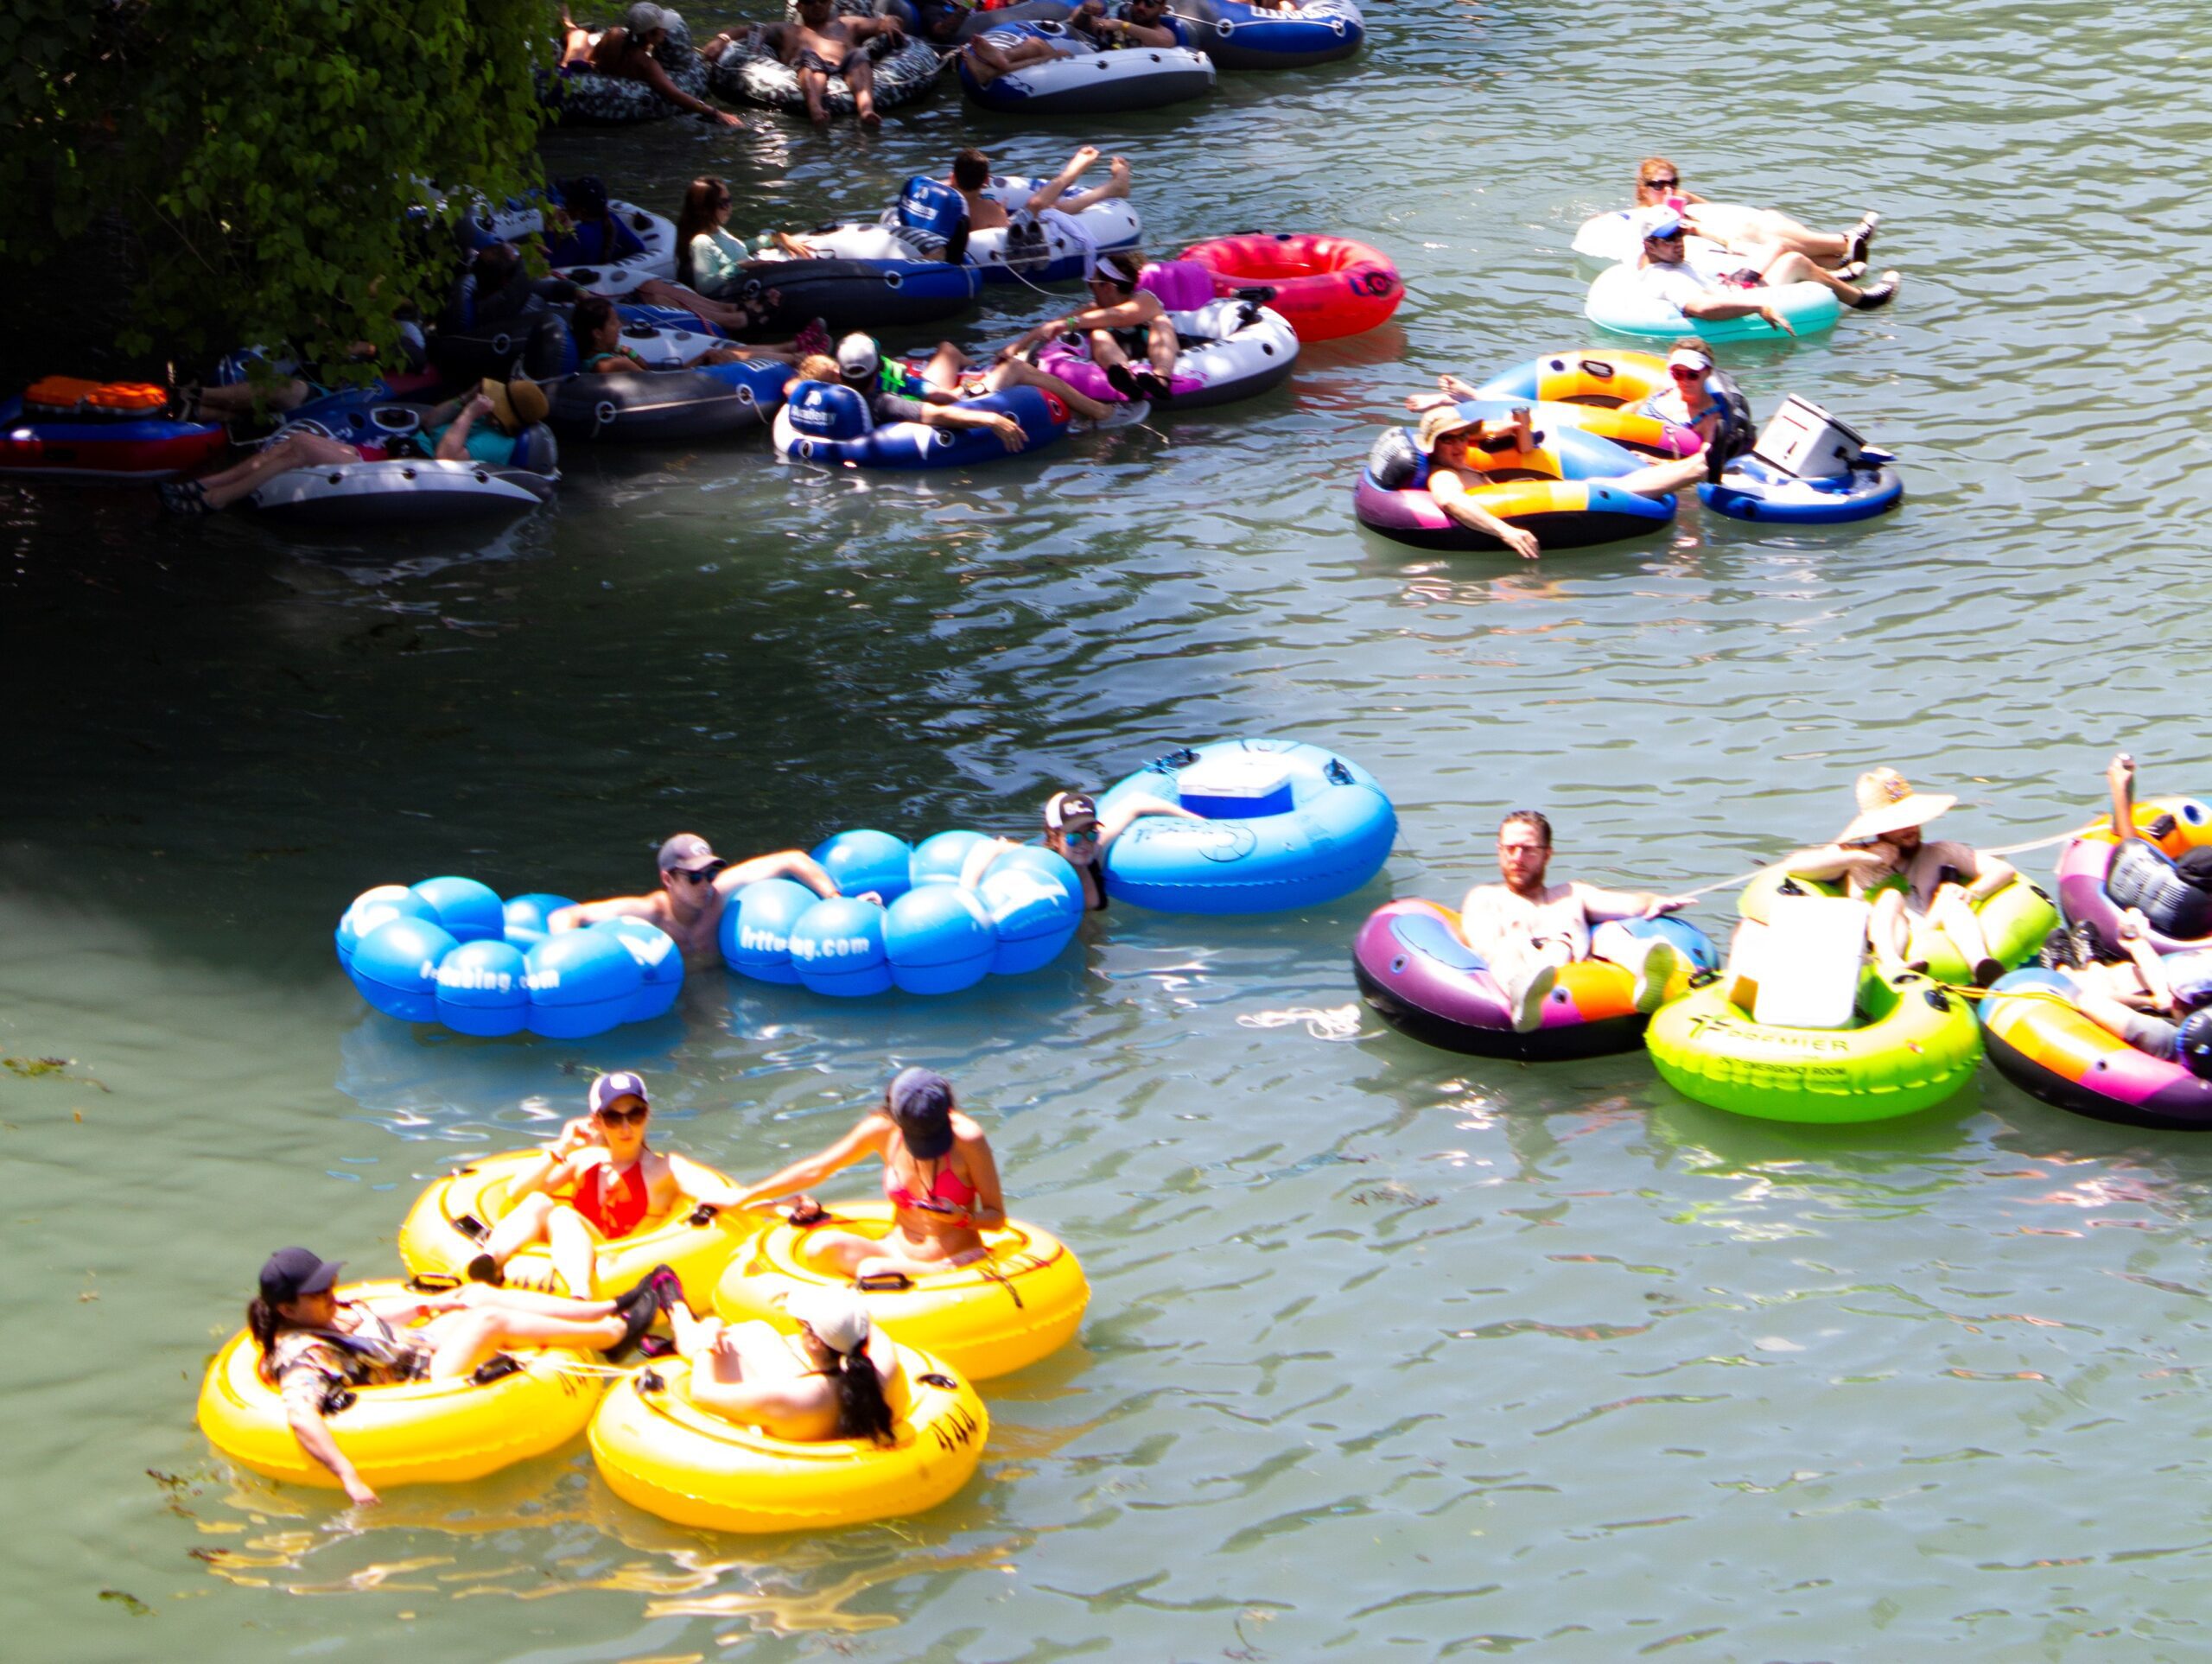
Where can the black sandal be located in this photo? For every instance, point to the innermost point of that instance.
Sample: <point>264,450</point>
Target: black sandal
<point>187,497</point>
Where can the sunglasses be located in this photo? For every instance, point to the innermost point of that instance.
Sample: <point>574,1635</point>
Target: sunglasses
<point>1081,835</point>
<point>1683,372</point>
<point>1666,237</point>
<point>626,1117</point>
<point>702,875</point>
<point>1661,184</point>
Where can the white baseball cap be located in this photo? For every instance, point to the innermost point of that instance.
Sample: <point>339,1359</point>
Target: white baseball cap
<point>836,1315</point>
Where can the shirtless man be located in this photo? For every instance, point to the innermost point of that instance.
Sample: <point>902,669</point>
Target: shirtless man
<point>1526,928</point>
<point>971,177</point>
<point>596,1182</point>
<point>826,1382</point>
<point>627,54</point>
<point>1914,885</point>
<point>822,44</point>
<point>695,882</point>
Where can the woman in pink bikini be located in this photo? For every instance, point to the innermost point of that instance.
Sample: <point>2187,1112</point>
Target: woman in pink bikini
<point>938,1175</point>
<point>596,1182</point>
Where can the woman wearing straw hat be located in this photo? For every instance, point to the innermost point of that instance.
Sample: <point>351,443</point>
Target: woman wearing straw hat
<point>1914,885</point>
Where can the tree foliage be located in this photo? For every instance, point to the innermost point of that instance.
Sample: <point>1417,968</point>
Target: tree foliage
<point>260,160</point>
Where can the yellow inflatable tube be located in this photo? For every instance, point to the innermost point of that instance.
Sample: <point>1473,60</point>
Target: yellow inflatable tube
<point>446,1227</point>
<point>414,1433</point>
<point>1000,1314</point>
<point>659,1452</point>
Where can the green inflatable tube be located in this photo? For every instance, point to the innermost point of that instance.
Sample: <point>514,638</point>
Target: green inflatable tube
<point>1915,1045</point>
<point>2014,919</point>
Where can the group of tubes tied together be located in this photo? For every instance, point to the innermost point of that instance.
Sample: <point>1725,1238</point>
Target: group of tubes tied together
<point>2108,1012</point>
<point>735,1369</point>
<point>837,58</point>
<point>1245,825</point>
<point>609,348</point>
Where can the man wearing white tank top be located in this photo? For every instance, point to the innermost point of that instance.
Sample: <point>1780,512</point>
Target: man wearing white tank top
<point>1527,929</point>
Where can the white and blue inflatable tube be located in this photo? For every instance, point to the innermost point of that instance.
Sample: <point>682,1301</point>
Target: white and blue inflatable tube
<point>925,931</point>
<point>1285,825</point>
<point>1622,301</point>
<point>1238,36</point>
<point>1753,489</point>
<point>976,21</point>
<point>819,425</point>
<point>1086,81</point>
<point>448,951</point>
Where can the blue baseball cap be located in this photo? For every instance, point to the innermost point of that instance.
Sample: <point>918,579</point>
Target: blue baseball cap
<point>621,1084</point>
<point>1666,224</point>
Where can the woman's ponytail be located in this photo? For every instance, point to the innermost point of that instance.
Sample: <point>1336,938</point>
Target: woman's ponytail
<point>862,1410</point>
<point>261,1322</point>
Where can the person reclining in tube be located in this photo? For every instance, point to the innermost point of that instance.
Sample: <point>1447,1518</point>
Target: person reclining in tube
<point>939,1175</point>
<point>695,883</point>
<point>1525,928</point>
<point>821,45</point>
<point>1914,885</point>
<point>597,328</point>
<point>2155,1002</point>
<point>482,426</point>
<point>313,1348</point>
<point>1077,833</point>
<point>1131,337</point>
<point>1668,275</point>
<point>950,375</point>
<point>971,177</point>
<point>596,1182</point>
<point>584,230</point>
<point>2193,868</point>
<point>626,53</point>
<point>1447,439</point>
<point>1703,397</point>
<point>893,393</point>
<point>1132,23</point>
<point>1743,230</point>
<point>828,1381</point>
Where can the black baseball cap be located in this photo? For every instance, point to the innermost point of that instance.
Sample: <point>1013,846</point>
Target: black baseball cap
<point>920,1101</point>
<point>292,1272</point>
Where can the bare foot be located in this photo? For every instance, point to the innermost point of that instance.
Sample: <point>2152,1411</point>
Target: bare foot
<point>1118,185</point>
<point>870,120</point>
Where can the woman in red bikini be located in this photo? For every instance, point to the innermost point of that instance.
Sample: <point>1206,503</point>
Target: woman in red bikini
<point>938,1175</point>
<point>595,1182</point>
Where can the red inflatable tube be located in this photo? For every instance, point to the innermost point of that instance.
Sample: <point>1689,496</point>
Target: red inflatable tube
<point>1326,287</point>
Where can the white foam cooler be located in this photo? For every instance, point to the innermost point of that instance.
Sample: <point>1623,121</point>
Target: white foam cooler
<point>1239,786</point>
<point>1807,961</point>
<point>1803,439</point>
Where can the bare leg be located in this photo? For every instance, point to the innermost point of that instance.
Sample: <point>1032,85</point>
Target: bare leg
<point>1783,266</point>
<point>575,1252</point>
<point>1888,933</point>
<point>943,371</point>
<point>223,403</point>
<point>1048,194</point>
<point>462,1340</point>
<point>1116,185</point>
<point>1105,350</point>
<point>811,83</point>
<point>1161,347</point>
<point>860,75</point>
<point>1019,372</point>
<point>483,1295</point>
<point>723,315</point>
<point>524,1224</point>
<point>293,451</point>
<point>840,1250</point>
<point>986,62</point>
<point>1949,910</point>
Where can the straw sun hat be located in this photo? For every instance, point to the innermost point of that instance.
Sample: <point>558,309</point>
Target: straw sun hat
<point>1888,803</point>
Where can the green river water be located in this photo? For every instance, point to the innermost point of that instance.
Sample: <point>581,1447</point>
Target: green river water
<point>1391,1353</point>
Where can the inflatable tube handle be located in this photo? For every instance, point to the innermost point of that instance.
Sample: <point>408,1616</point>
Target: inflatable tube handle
<point>498,1367</point>
<point>705,1214</point>
<point>1337,773</point>
<point>884,1282</point>
<point>1182,757</point>
<point>471,1227</point>
<point>433,1282</point>
<point>942,1382</point>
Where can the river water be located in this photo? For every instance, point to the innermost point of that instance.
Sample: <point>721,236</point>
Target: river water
<point>1390,1353</point>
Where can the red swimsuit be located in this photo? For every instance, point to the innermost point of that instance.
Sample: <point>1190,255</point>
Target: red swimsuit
<point>621,1213</point>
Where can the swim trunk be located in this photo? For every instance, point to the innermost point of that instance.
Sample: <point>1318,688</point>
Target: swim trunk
<point>1743,277</point>
<point>810,58</point>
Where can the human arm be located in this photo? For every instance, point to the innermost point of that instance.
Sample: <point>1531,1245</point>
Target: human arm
<point>1450,391</point>
<point>980,858</point>
<point>865,1139</point>
<point>657,78</point>
<point>2135,943</point>
<point>1834,862</point>
<point>554,1165</point>
<point>2120,775</point>
<point>1009,431</point>
<point>1658,478</point>
<point>1986,874</point>
<point>1713,308</point>
<point>753,1403</point>
<point>303,1386</point>
<point>785,863</point>
<point>698,1183</point>
<point>1151,34</point>
<point>575,916</point>
<point>1600,905</point>
<point>1118,819</point>
<point>988,1210</point>
<point>453,444</point>
<point>1450,494</point>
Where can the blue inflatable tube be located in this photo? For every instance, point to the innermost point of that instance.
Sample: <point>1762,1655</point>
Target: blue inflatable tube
<point>1285,825</point>
<point>827,424</point>
<point>448,951</point>
<point>1752,490</point>
<point>1236,36</point>
<point>904,920</point>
